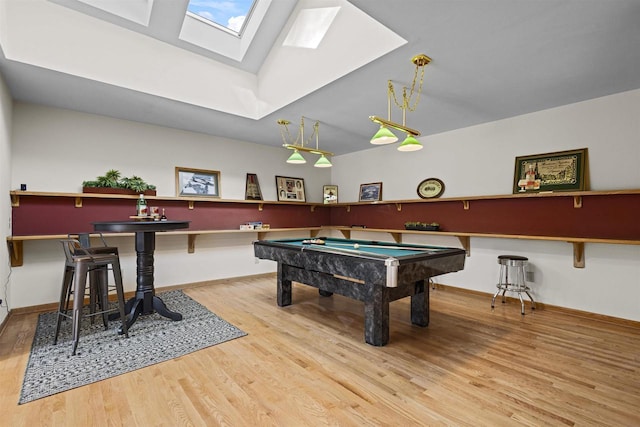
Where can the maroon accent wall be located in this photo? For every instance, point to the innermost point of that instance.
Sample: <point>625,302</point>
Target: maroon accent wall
<point>41,215</point>
<point>612,216</point>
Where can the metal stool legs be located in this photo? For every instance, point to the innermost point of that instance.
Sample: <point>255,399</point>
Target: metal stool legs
<point>80,264</point>
<point>516,283</point>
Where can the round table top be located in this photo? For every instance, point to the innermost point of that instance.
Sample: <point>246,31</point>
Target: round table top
<point>137,226</point>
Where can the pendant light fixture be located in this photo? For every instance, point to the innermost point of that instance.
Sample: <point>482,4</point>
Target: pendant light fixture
<point>384,134</point>
<point>299,144</point>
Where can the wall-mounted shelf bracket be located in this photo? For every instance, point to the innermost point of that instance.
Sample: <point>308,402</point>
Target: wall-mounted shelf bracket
<point>16,252</point>
<point>399,207</point>
<point>15,201</point>
<point>397,237</point>
<point>465,241</point>
<point>191,204</point>
<point>78,202</point>
<point>313,208</point>
<point>191,245</point>
<point>578,254</point>
<point>465,205</point>
<point>577,201</point>
<point>346,233</point>
<point>260,207</point>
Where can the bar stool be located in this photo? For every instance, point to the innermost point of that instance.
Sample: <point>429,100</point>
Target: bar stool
<point>512,279</point>
<point>80,262</point>
<point>98,293</point>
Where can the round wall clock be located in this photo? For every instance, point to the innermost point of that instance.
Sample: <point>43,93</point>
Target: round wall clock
<point>430,187</point>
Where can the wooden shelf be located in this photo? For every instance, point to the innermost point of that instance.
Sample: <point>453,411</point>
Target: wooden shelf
<point>15,244</point>
<point>466,201</point>
<point>16,194</point>
<point>576,195</point>
<point>465,239</point>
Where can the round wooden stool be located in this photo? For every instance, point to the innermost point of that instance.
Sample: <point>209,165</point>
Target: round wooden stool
<point>512,279</point>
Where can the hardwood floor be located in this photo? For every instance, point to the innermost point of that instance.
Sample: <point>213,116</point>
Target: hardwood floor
<point>308,365</point>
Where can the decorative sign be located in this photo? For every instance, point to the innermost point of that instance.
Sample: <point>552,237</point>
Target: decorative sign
<point>252,188</point>
<point>330,194</point>
<point>559,171</point>
<point>430,188</point>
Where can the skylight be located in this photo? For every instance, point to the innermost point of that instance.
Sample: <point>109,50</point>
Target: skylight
<point>231,15</point>
<point>310,27</point>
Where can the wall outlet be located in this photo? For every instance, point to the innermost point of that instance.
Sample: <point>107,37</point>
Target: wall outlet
<point>529,276</point>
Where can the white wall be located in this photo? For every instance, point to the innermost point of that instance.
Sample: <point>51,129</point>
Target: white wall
<point>83,146</point>
<point>474,161</point>
<point>479,160</point>
<point>6,106</point>
<point>55,150</point>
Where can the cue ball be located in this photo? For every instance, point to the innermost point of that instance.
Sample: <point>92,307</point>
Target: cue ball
<point>356,246</point>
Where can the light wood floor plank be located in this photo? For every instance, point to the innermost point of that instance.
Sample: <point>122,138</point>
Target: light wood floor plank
<point>308,365</point>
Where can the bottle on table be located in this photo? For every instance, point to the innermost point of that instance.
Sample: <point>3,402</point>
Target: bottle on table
<point>163,217</point>
<point>142,209</point>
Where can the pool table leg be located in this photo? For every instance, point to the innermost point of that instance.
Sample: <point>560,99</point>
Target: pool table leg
<point>376,317</point>
<point>284,287</point>
<point>420,304</point>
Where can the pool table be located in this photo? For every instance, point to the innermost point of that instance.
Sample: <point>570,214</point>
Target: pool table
<point>375,273</point>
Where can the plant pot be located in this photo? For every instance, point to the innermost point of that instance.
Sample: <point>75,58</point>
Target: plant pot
<point>109,190</point>
<point>428,227</point>
<point>422,227</point>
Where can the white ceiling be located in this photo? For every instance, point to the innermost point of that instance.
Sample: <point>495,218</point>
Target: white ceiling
<point>492,59</point>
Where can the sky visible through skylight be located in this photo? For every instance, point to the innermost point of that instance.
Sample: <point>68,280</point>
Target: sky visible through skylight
<point>227,13</point>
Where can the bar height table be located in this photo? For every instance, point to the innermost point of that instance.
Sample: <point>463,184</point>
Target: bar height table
<point>145,300</point>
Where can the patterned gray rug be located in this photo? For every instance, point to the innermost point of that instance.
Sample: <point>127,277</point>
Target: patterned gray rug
<point>103,354</point>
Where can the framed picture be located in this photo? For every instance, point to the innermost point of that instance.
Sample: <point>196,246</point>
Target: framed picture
<point>252,188</point>
<point>330,194</point>
<point>197,182</point>
<point>290,189</point>
<point>430,188</point>
<point>371,192</point>
<point>559,171</point>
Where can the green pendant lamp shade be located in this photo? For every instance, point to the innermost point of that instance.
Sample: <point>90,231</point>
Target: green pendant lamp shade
<point>296,158</point>
<point>383,136</point>
<point>323,162</point>
<point>410,144</point>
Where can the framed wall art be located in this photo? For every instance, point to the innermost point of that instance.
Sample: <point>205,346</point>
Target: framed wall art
<point>430,188</point>
<point>371,192</point>
<point>290,189</point>
<point>197,182</point>
<point>252,188</point>
<point>559,171</point>
<point>330,194</point>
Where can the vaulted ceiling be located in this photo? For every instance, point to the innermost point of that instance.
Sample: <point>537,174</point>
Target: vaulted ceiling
<point>492,59</point>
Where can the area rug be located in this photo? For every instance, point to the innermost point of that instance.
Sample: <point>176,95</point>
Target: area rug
<point>104,354</point>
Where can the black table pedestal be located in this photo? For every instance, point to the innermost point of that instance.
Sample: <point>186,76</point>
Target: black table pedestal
<point>145,300</point>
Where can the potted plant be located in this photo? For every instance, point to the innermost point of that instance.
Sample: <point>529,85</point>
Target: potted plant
<point>422,226</point>
<point>112,182</point>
